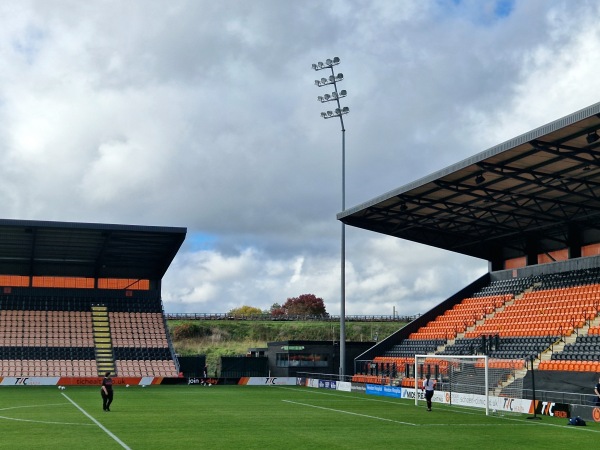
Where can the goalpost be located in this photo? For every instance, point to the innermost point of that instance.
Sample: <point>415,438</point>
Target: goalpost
<point>460,379</point>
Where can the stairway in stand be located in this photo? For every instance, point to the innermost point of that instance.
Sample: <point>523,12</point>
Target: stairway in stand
<point>105,361</point>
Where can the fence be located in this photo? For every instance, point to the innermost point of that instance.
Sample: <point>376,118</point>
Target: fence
<point>561,397</point>
<point>269,317</point>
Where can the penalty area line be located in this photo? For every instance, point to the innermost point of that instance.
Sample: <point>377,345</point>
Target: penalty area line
<point>102,427</point>
<point>351,413</point>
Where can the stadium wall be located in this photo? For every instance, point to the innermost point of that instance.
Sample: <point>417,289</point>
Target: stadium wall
<point>548,268</point>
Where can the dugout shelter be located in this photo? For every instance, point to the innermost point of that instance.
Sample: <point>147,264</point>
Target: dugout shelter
<point>530,207</point>
<point>80,299</point>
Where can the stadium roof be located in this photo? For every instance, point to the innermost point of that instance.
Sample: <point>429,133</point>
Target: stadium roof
<point>533,194</point>
<point>39,248</point>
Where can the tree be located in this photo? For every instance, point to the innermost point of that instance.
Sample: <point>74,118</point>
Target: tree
<point>277,310</point>
<point>245,311</point>
<point>304,305</point>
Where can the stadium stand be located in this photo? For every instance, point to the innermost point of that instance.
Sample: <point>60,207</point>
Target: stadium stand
<point>530,208</point>
<point>553,320</point>
<point>63,343</point>
<point>78,325</point>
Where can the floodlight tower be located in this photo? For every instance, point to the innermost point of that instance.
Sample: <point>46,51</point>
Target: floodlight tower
<point>335,96</point>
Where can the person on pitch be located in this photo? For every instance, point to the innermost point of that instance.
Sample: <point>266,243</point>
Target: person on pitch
<point>106,391</point>
<point>428,388</point>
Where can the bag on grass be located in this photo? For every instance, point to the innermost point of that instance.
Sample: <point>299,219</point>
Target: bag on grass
<point>577,421</point>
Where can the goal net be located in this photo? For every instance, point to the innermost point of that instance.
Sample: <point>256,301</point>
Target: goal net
<point>473,380</point>
<point>459,380</point>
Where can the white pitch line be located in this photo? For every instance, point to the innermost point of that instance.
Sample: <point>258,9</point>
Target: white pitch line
<point>352,413</point>
<point>395,421</point>
<point>39,421</point>
<point>442,424</point>
<point>32,406</point>
<point>102,427</point>
<point>44,421</point>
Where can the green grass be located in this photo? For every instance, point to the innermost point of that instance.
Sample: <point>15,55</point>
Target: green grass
<point>216,338</point>
<point>270,331</point>
<point>247,417</point>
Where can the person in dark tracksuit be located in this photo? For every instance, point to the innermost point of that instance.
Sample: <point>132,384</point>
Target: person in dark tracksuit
<point>107,392</point>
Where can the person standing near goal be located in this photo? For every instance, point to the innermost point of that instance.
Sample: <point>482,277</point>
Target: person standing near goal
<point>428,387</point>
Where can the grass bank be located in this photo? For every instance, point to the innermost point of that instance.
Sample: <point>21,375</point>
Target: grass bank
<point>231,338</point>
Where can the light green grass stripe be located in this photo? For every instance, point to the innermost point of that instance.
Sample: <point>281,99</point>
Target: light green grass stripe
<point>102,427</point>
<point>350,413</point>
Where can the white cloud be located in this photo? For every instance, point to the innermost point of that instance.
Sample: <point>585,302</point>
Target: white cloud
<point>203,114</point>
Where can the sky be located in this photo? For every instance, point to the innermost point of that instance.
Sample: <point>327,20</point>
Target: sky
<point>204,115</point>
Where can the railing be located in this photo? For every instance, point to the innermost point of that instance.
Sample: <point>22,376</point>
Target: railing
<point>324,376</point>
<point>561,397</point>
<point>269,317</point>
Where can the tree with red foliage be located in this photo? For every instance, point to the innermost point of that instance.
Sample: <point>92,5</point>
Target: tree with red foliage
<point>304,305</point>
<point>277,310</point>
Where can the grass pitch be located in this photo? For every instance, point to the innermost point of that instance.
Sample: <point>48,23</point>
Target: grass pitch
<point>249,417</point>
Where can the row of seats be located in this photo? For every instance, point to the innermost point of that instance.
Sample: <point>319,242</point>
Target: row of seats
<point>19,352</point>
<point>384,362</point>
<point>85,368</point>
<point>576,356</point>
<point>411,347</point>
<point>371,379</point>
<point>511,287</point>
<point>158,368</point>
<point>40,341</point>
<point>142,353</point>
<point>146,302</point>
<point>561,280</point>
<point>49,368</point>
<point>570,366</point>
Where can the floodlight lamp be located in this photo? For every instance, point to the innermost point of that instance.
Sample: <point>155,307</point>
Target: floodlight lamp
<point>330,113</point>
<point>314,66</point>
<point>334,95</point>
<point>345,109</point>
<point>328,62</point>
<point>320,98</point>
<point>479,179</point>
<point>592,137</point>
<point>327,96</point>
<point>320,64</point>
<point>317,83</point>
<point>343,93</point>
<point>323,80</point>
<point>336,60</point>
<point>324,115</point>
<point>340,76</point>
<point>331,78</point>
